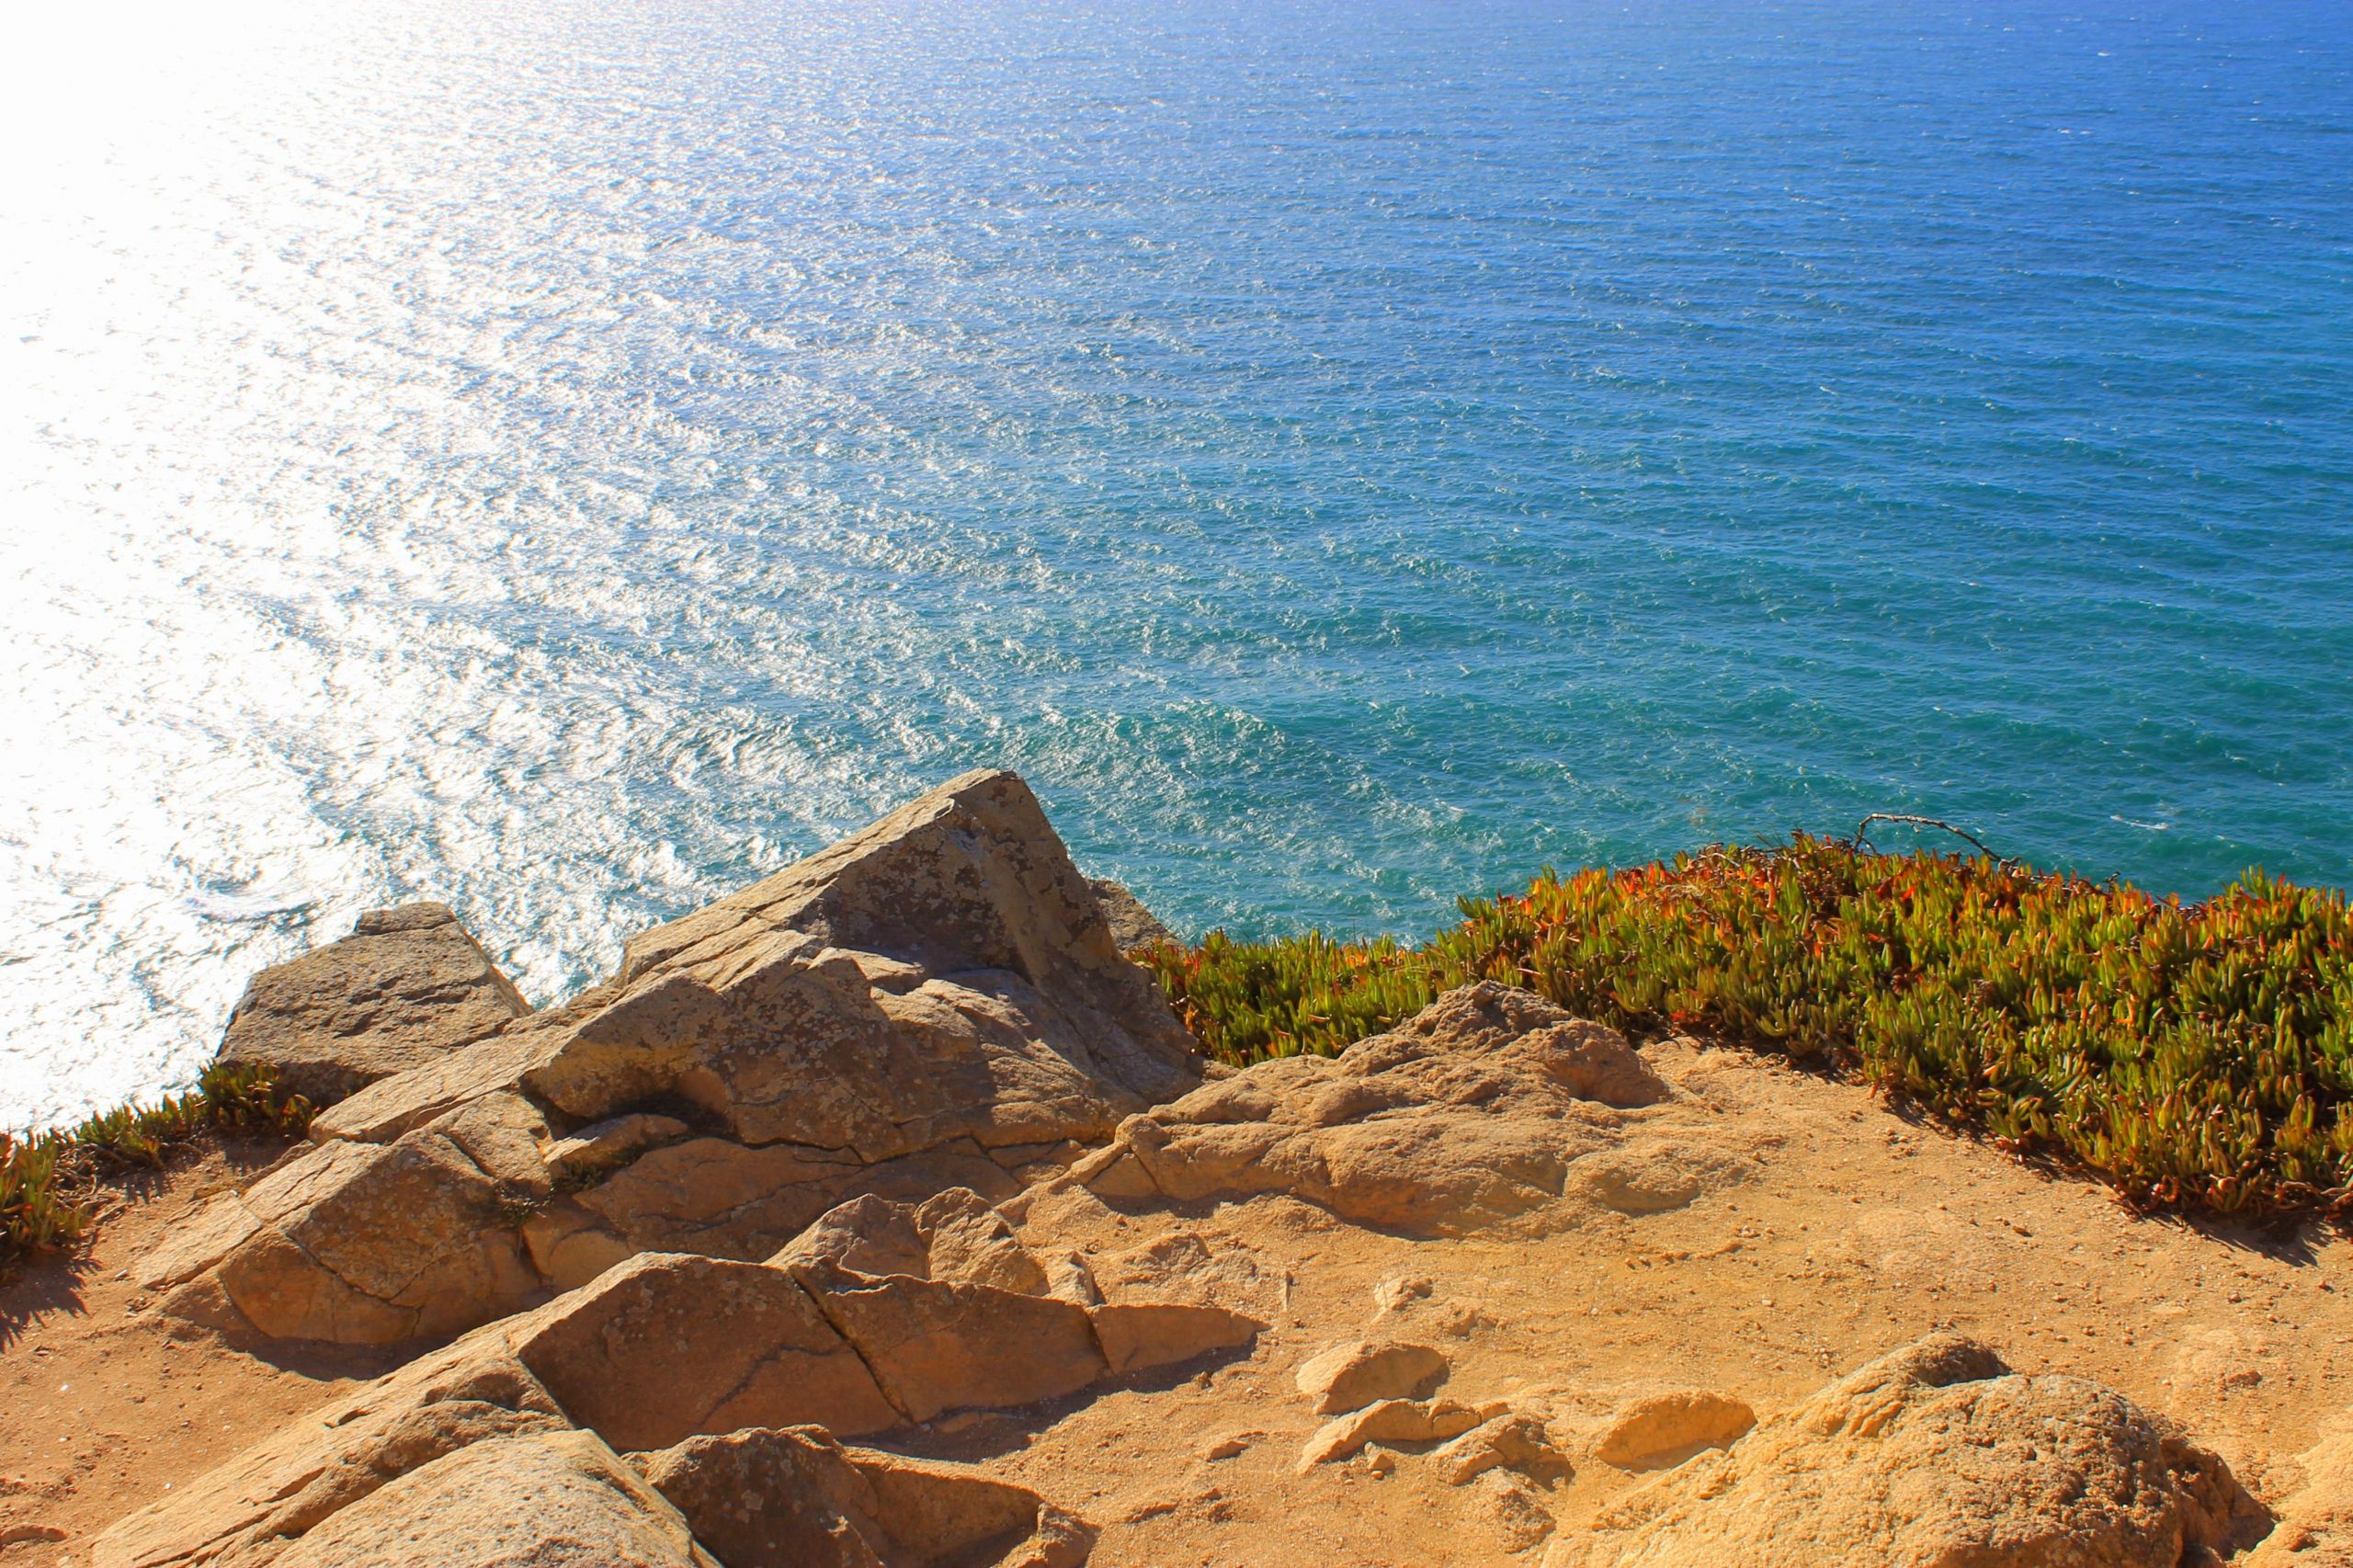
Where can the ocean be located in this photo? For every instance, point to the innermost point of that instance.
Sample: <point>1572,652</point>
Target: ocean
<point>570,459</point>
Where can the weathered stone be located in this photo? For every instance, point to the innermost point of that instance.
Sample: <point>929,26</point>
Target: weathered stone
<point>553,1500</point>
<point>957,1238</point>
<point>406,1100</point>
<point>945,973</point>
<point>768,1498</point>
<point>364,1243</point>
<point>708,1195</point>
<point>1513,1442</point>
<point>1478,1110</point>
<point>1353,1374</point>
<point>937,1347</point>
<point>1132,926</point>
<point>797,1499</point>
<point>407,985</point>
<point>1659,1431</point>
<point>1935,1454</point>
<point>955,1235</point>
<point>664,1348</point>
<point>881,1018</point>
<point>614,1142</point>
<point>1139,1335</point>
<point>1390,1421</point>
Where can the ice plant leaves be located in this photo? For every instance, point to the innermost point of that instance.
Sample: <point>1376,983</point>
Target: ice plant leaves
<point>2196,1055</point>
<point>39,1173</point>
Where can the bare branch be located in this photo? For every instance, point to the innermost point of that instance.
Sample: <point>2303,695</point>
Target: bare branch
<point>1861,840</point>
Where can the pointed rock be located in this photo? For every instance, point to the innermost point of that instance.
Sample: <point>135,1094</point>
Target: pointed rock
<point>408,986</point>
<point>933,1001</point>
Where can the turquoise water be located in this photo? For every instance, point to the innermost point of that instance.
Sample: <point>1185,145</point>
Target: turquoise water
<point>569,460</point>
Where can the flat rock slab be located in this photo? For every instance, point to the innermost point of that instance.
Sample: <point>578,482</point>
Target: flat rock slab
<point>406,986</point>
<point>559,1500</point>
<point>794,1498</point>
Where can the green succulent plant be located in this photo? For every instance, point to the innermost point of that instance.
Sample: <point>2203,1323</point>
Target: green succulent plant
<point>2192,1055</point>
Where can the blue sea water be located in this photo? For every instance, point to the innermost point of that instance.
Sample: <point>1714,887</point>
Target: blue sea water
<point>570,457</point>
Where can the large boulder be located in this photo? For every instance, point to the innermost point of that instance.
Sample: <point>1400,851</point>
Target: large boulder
<point>935,1002</point>
<point>664,1348</point>
<point>1935,1455</point>
<point>1488,1105</point>
<point>948,973</point>
<point>406,986</point>
<point>369,1244</point>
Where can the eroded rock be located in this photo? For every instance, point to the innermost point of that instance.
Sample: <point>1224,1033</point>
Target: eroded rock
<point>952,1236</point>
<point>551,1500</point>
<point>1390,1421</point>
<point>936,1002</point>
<point>1658,1431</point>
<point>365,1243</point>
<point>1140,1334</point>
<point>408,986</point>
<point>1356,1373</point>
<point>247,1510</point>
<point>797,1499</point>
<point>1518,1443</point>
<point>1483,1108</point>
<point>1934,1454</point>
<point>713,1196</point>
<point>664,1348</point>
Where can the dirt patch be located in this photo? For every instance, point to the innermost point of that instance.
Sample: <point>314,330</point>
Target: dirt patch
<point>107,1408</point>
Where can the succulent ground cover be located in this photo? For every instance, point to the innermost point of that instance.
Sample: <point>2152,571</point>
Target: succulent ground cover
<point>45,1177</point>
<point>2191,1055</point>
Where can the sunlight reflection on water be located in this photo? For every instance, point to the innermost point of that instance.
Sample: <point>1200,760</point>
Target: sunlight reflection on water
<point>569,460</point>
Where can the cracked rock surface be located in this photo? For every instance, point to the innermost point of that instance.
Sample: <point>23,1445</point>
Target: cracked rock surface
<point>877,1217</point>
<point>408,984</point>
<point>937,1001</point>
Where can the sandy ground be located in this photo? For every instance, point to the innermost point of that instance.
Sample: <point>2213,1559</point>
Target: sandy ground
<point>1860,1231</point>
<point>100,1407</point>
<point>1864,1231</point>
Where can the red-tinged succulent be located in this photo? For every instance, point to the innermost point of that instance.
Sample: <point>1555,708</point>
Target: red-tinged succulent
<point>2191,1054</point>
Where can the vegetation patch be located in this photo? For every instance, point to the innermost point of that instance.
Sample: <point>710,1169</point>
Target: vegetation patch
<point>49,1179</point>
<point>2191,1055</point>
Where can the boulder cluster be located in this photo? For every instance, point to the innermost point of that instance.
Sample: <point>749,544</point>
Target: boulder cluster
<point>937,1002</point>
<point>658,1261</point>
